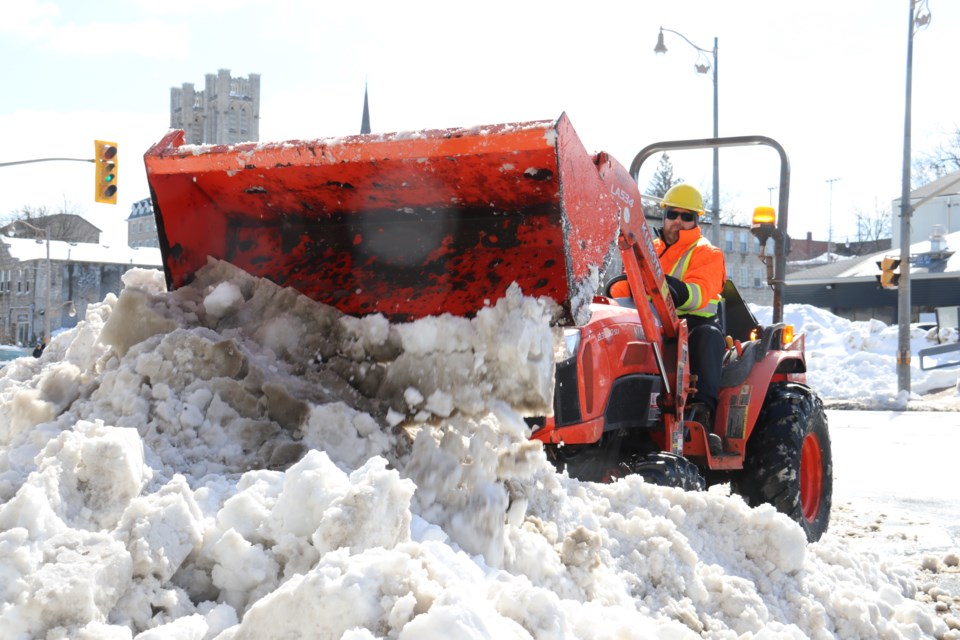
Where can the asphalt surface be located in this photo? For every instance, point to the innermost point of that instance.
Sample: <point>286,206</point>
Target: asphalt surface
<point>896,494</point>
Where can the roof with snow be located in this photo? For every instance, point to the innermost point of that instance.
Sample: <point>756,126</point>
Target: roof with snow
<point>925,261</point>
<point>25,249</point>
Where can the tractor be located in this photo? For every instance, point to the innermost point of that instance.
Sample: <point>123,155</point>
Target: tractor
<point>410,225</point>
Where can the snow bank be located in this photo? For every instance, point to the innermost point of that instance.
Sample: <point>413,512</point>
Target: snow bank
<point>232,461</point>
<point>857,360</point>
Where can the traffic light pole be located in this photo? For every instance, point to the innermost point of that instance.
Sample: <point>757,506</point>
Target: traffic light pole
<point>8,164</point>
<point>106,169</point>
<point>903,296</point>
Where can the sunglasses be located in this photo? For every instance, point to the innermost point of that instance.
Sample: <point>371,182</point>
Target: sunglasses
<point>686,216</point>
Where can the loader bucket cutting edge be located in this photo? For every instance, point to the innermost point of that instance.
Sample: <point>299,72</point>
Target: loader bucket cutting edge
<point>407,225</point>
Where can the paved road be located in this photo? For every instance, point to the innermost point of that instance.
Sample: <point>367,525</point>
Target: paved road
<point>897,487</point>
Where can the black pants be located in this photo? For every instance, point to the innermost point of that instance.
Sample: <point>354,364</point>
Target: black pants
<point>706,346</point>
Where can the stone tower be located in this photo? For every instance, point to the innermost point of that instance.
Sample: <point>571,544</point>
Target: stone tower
<point>227,111</point>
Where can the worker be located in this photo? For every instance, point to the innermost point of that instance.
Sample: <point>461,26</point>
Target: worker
<point>695,271</point>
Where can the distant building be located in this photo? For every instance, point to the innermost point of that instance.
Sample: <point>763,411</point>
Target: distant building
<point>941,211</point>
<point>849,288</point>
<point>227,111</point>
<point>60,226</point>
<point>808,253</point>
<point>141,225</point>
<point>57,276</point>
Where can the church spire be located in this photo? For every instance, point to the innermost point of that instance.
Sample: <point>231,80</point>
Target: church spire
<point>365,123</point>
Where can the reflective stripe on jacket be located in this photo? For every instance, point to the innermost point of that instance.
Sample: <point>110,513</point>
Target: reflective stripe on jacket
<point>700,266</point>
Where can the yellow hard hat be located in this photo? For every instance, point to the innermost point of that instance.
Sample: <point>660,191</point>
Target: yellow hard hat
<point>683,196</point>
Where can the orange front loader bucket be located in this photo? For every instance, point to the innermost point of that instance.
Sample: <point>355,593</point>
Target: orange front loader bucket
<point>403,224</point>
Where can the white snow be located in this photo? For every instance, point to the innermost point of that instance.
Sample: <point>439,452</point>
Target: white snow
<point>233,460</point>
<point>26,249</point>
<point>857,360</point>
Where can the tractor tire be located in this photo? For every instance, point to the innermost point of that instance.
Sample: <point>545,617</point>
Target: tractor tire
<point>788,461</point>
<point>666,470</point>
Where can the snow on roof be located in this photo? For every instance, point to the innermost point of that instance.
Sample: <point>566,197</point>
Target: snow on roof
<point>823,258</point>
<point>866,266</point>
<point>25,249</point>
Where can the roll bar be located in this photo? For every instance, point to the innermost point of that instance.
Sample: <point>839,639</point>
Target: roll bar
<point>781,239</point>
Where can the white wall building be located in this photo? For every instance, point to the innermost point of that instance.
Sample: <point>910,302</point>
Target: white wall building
<point>942,210</point>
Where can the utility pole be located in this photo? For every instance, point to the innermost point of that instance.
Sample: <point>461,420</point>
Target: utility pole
<point>904,313</point>
<point>830,181</point>
<point>716,150</point>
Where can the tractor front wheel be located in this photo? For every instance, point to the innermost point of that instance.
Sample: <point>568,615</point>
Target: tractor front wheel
<point>667,470</point>
<point>788,462</point>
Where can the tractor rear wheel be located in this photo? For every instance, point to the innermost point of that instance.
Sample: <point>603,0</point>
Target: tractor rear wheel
<point>788,461</point>
<point>666,470</point>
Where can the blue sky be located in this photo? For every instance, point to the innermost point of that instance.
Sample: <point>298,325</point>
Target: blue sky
<point>826,79</point>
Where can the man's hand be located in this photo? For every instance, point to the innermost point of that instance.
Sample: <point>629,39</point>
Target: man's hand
<point>678,290</point>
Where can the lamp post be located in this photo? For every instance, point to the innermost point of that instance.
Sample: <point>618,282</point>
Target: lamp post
<point>918,20</point>
<point>46,312</point>
<point>830,181</point>
<point>704,67</point>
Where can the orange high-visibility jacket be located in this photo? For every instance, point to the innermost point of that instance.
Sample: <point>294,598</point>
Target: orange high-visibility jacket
<point>701,267</point>
<point>696,262</point>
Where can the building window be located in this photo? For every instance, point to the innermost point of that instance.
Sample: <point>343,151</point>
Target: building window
<point>743,242</point>
<point>26,281</point>
<point>758,278</point>
<point>244,122</point>
<point>728,242</point>
<point>19,280</point>
<point>756,245</point>
<point>745,276</point>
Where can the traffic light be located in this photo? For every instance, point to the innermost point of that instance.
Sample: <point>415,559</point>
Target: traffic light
<point>106,160</point>
<point>889,278</point>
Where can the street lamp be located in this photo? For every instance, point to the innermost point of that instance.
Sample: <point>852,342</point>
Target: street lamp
<point>919,18</point>
<point>703,66</point>
<point>830,181</point>
<point>46,313</point>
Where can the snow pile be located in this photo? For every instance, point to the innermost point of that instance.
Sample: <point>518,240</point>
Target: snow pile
<point>233,460</point>
<point>857,360</point>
